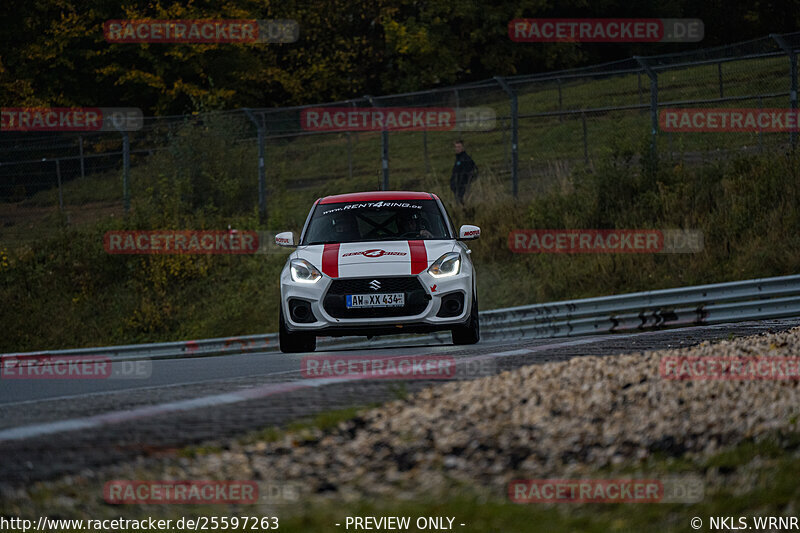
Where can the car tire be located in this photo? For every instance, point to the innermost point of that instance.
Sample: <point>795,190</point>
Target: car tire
<point>471,332</point>
<point>294,342</point>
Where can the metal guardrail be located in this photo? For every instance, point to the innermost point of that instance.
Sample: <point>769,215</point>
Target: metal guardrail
<point>755,299</point>
<point>170,350</point>
<point>194,348</point>
<point>649,302</point>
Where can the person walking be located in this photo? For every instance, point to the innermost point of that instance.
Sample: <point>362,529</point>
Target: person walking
<point>464,172</point>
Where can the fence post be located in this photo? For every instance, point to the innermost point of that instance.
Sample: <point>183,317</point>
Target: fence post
<point>514,134</point>
<point>384,149</point>
<point>719,76</point>
<point>639,80</point>
<point>669,144</point>
<point>60,193</point>
<point>787,48</point>
<point>126,171</point>
<point>653,104</point>
<point>504,140</point>
<point>560,102</point>
<point>425,151</point>
<point>262,174</point>
<point>760,133</point>
<point>349,156</point>
<point>262,170</point>
<point>585,139</point>
<point>80,150</point>
<point>350,150</point>
<point>385,159</point>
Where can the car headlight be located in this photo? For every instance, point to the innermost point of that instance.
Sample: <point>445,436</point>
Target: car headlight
<point>447,265</point>
<point>304,272</point>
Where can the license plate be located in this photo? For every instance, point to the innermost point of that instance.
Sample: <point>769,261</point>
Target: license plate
<point>395,299</point>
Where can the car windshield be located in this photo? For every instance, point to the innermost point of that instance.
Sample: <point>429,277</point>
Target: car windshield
<point>395,220</point>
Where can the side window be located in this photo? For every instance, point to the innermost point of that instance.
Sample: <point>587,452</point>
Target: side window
<point>449,221</point>
<point>317,230</point>
<point>307,225</point>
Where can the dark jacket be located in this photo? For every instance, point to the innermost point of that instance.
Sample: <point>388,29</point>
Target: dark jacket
<point>464,171</point>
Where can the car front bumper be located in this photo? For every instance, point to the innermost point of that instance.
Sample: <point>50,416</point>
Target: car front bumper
<point>324,323</point>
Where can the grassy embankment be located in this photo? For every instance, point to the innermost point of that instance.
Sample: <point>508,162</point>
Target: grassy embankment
<point>60,289</point>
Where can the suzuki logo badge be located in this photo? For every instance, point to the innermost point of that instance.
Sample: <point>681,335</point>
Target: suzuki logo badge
<point>375,284</point>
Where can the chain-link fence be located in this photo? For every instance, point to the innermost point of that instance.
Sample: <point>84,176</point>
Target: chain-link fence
<point>545,126</point>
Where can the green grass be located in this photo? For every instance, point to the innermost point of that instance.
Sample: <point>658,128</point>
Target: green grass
<point>63,290</point>
<point>774,491</point>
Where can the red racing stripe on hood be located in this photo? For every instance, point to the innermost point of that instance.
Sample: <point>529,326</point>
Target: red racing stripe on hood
<point>330,260</point>
<point>419,256</point>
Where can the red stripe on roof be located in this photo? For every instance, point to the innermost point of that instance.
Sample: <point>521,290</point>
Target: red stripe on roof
<point>330,260</point>
<point>375,196</point>
<point>419,256</point>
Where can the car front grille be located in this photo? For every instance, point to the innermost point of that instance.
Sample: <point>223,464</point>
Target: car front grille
<point>416,299</point>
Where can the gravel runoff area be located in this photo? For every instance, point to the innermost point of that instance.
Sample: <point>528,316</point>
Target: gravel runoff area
<point>548,420</point>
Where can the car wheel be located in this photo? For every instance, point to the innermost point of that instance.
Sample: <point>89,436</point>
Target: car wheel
<point>294,342</point>
<point>470,333</point>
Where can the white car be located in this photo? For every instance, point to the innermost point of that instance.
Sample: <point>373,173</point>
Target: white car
<point>377,263</point>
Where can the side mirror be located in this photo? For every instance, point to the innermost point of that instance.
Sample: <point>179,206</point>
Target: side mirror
<point>468,233</point>
<point>285,238</point>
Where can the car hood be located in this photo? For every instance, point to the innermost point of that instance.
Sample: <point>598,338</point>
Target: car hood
<point>377,258</point>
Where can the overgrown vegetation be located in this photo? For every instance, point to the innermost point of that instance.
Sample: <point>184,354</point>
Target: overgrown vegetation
<point>62,289</point>
<point>345,49</point>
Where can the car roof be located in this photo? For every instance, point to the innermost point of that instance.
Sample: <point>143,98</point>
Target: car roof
<point>375,196</point>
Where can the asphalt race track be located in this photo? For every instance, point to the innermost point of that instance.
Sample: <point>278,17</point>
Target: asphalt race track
<point>52,427</point>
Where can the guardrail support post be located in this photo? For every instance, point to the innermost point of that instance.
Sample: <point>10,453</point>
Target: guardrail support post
<point>653,104</point>
<point>262,170</point>
<point>787,48</point>
<point>514,134</point>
